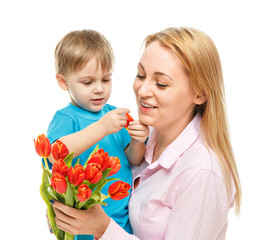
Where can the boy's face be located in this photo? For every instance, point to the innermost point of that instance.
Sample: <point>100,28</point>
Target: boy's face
<point>89,88</point>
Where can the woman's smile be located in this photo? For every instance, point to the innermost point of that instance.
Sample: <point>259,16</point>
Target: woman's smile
<point>146,107</point>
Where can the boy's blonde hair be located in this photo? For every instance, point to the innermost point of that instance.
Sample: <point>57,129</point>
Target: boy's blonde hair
<point>201,60</point>
<point>75,49</point>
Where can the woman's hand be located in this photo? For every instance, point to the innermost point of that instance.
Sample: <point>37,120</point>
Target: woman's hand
<point>136,149</point>
<point>138,131</point>
<point>93,221</point>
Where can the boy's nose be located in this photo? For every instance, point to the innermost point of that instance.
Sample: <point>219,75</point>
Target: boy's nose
<point>98,88</point>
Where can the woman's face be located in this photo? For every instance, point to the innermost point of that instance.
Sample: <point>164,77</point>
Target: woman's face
<point>163,92</point>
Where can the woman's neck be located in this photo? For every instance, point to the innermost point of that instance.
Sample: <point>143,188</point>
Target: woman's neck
<point>166,135</point>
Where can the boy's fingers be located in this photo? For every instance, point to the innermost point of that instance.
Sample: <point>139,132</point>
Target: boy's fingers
<point>122,110</point>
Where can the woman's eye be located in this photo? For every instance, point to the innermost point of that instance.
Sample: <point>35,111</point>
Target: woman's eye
<point>161,85</point>
<point>140,76</point>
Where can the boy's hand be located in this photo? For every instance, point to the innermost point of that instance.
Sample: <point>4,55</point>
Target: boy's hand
<point>138,131</point>
<point>114,120</point>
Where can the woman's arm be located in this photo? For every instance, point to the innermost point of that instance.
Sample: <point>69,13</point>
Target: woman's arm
<point>93,221</point>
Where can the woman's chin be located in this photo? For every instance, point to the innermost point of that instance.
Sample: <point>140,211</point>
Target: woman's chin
<point>145,119</point>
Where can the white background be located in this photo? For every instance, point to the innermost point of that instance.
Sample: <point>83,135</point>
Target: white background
<point>30,95</point>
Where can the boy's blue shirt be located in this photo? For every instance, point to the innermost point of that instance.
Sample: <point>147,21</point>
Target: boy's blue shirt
<point>72,119</point>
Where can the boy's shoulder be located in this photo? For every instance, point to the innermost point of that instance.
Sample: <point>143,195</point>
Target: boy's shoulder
<point>68,110</point>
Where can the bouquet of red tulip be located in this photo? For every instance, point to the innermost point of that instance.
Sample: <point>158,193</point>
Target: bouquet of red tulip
<point>77,186</point>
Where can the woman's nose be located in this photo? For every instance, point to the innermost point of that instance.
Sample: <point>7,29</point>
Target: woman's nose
<point>145,89</point>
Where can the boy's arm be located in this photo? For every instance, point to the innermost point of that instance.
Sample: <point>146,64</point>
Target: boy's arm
<point>80,141</point>
<point>136,149</point>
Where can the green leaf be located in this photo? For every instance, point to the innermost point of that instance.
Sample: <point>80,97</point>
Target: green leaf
<point>52,192</point>
<point>93,204</point>
<point>50,212</point>
<point>48,174</point>
<point>96,196</point>
<point>92,186</point>
<point>68,159</point>
<point>68,236</point>
<point>103,197</point>
<point>104,180</point>
<point>94,151</point>
<point>69,195</point>
<point>81,204</point>
<point>105,174</point>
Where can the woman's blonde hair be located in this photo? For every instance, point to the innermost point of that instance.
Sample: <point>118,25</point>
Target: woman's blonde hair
<point>201,60</point>
<point>76,48</point>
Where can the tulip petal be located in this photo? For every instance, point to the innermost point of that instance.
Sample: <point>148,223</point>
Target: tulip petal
<point>119,190</point>
<point>129,119</point>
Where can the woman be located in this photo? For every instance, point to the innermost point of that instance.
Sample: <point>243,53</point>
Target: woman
<point>189,179</point>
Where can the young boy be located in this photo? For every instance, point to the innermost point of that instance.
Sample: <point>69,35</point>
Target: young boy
<point>84,64</point>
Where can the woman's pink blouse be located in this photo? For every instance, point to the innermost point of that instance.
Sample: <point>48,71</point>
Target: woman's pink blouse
<point>180,196</point>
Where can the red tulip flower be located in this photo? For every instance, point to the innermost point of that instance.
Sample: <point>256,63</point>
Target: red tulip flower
<point>118,190</point>
<point>60,166</point>
<point>42,146</point>
<point>101,158</point>
<point>76,174</point>
<point>59,150</point>
<point>58,182</point>
<point>93,172</point>
<point>84,193</point>
<point>129,119</point>
<point>114,163</point>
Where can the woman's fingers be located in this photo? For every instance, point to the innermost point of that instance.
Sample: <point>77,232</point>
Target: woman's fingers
<point>136,128</point>
<point>65,226</point>
<point>62,207</point>
<point>65,217</point>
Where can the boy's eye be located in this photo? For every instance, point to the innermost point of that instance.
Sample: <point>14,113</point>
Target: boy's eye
<point>87,83</point>
<point>106,80</point>
<point>140,76</point>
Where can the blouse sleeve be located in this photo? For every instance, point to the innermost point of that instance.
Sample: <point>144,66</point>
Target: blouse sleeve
<point>115,232</point>
<point>200,208</point>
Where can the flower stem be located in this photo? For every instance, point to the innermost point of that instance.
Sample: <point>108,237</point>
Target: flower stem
<point>46,164</point>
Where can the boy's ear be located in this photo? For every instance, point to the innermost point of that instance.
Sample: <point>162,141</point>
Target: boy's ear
<point>61,81</point>
<point>199,99</point>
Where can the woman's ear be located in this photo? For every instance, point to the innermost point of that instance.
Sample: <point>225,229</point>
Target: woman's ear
<point>199,99</point>
<point>61,81</point>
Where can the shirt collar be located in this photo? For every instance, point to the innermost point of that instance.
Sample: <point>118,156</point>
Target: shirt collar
<point>87,114</point>
<point>176,148</point>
